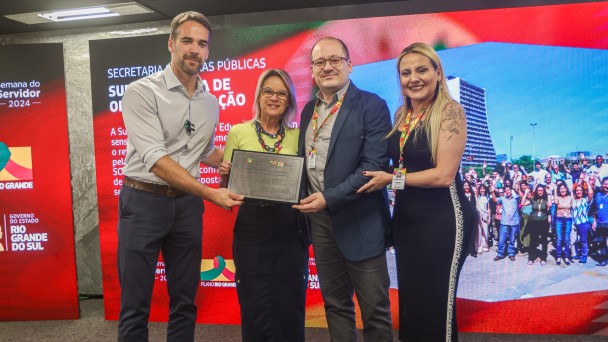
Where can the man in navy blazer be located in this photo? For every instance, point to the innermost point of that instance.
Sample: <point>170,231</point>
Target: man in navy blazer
<point>342,133</point>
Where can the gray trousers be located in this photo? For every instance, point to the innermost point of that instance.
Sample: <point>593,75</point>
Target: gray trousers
<point>339,278</point>
<point>147,224</point>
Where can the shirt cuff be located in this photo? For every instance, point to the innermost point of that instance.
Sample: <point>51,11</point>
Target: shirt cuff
<point>151,156</point>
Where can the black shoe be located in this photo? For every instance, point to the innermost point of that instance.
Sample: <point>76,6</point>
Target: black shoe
<point>498,257</point>
<point>602,264</point>
<point>566,261</point>
<point>558,262</point>
<point>512,257</point>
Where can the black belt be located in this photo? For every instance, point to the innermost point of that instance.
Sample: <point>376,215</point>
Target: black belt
<point>159,189</point>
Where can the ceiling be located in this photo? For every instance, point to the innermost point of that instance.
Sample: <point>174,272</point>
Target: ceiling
<point>164,10</point>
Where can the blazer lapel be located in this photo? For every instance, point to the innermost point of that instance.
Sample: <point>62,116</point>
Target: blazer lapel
<point>304,122</point>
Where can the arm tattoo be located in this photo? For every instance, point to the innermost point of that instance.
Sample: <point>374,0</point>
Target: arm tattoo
<point>451,122</point>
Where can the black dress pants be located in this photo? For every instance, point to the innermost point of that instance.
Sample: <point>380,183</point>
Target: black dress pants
<point>149,223</point>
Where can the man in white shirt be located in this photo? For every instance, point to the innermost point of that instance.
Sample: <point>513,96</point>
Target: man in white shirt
<point>538,174</point>
<point>599,168</point>
<point>171,122</point>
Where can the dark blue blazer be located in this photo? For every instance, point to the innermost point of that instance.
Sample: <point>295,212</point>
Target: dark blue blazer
<point>361,223</point>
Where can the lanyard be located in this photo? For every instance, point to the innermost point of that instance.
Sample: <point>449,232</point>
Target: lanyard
<point>315,117</point>
<point>408,127</point>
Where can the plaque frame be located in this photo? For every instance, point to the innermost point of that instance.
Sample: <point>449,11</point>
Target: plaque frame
<point>266,176</point>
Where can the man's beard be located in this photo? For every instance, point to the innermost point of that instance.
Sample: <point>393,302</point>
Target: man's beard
<point>186,67</point>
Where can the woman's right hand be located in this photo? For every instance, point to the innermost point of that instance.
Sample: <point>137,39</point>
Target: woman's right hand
<point>224,169</point>
<point>379,179</point>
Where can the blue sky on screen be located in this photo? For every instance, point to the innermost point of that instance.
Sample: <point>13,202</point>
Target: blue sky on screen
<point>563,90</point>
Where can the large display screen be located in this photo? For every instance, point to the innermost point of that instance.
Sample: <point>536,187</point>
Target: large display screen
<point>37,260</point>
<point>543,65</point>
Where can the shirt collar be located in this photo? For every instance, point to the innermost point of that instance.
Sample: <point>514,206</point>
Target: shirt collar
<point>336,96</point>
<point>172,82</point>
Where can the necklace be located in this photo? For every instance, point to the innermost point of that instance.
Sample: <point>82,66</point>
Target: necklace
<point>277,145</point>
<point>270,135</point>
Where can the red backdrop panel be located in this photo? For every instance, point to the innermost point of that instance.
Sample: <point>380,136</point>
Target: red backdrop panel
<point>37,264</point>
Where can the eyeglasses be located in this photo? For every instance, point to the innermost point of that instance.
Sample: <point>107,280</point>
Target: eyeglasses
<point>267,92</point>
<point>334,62</point>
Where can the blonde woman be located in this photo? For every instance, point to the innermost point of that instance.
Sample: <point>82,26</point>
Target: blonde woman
<point>432,220</point>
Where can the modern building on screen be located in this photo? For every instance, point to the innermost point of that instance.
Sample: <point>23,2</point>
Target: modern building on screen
<point>479,146</point>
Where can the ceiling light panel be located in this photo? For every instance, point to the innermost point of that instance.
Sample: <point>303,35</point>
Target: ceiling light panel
<point>128,8</point>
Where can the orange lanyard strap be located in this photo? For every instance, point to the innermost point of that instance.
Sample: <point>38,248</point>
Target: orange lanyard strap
<point>408,127</point>
<point>315,118</point>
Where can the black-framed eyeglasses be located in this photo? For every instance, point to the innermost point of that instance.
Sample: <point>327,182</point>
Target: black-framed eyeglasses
<point>267,92</point>
<point>333,61</point>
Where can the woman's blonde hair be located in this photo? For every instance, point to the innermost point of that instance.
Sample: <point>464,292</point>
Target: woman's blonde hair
<point>292,108</point>
<point>432,122</point>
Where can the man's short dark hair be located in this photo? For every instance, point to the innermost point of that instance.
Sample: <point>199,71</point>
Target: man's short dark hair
<point>347,56</point>
<point>188,16</point>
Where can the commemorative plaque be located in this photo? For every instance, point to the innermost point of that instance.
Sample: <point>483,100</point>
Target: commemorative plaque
<point>266,176</point>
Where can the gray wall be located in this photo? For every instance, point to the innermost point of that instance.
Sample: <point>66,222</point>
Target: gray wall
<point>79,106</point>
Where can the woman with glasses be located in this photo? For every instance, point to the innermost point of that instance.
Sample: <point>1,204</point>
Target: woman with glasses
<point>432,219</point>
<point>270,249</point>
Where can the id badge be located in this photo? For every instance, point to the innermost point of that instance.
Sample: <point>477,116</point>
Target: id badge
<point>601,205</point>
<point>312,159</point>
<point>540,214</point>
<point>398,179</point>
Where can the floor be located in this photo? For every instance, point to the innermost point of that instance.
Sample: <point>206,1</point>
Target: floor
<point>93,327</point>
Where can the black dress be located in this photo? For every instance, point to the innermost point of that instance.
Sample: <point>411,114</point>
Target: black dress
<point>431,231</point>
<point>270,249</point>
